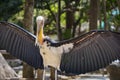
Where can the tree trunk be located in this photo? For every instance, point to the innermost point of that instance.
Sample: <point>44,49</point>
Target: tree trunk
<point>75,25</point>
<point>69,20</point>
<point>93,14</point>
<point>114,71</point>
<point>59,32</point>
<point>118,2</point>
<point>27,71</point>
<point>39,74</point>
<point>28,24</point>
<point>105,16</point>
<point>28,15</point>
<point>52,73</point>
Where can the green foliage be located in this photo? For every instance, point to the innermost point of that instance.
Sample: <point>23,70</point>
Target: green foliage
<point>17,18</point>
<point>63,21</point>
<point>8,8</point>
<point>67,34</point>
<point>116,20</point>
<point>13,11</point>
<point>54,8</point>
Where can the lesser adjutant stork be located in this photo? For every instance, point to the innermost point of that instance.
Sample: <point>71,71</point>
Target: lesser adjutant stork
<point>88,52</point>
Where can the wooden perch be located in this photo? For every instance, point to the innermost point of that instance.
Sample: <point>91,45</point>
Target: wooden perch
<point>6,55</point>
<point>5,70</point>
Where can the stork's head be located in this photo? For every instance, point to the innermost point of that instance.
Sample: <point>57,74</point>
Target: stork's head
<point>40,24</point>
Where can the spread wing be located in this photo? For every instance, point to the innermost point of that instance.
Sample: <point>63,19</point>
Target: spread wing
<point>20,43</point>
<point>91,51</point>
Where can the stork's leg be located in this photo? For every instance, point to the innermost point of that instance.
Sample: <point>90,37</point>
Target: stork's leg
<point>44,75</point>
<point>56,77</point>
<point>35,73</point>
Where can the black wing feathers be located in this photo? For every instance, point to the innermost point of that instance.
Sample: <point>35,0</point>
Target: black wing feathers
<point>20,43</point>
<point>91,51</point>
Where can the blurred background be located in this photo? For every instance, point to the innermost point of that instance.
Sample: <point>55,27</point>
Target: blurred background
<point>64,19</point>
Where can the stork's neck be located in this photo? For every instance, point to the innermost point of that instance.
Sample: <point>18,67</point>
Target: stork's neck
<point>41,36</point>
<point>40,25</point>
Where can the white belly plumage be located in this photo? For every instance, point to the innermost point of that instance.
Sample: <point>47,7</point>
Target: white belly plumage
<point>52,55</point>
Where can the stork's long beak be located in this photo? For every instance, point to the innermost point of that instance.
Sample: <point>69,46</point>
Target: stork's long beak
<point>40,25</point>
